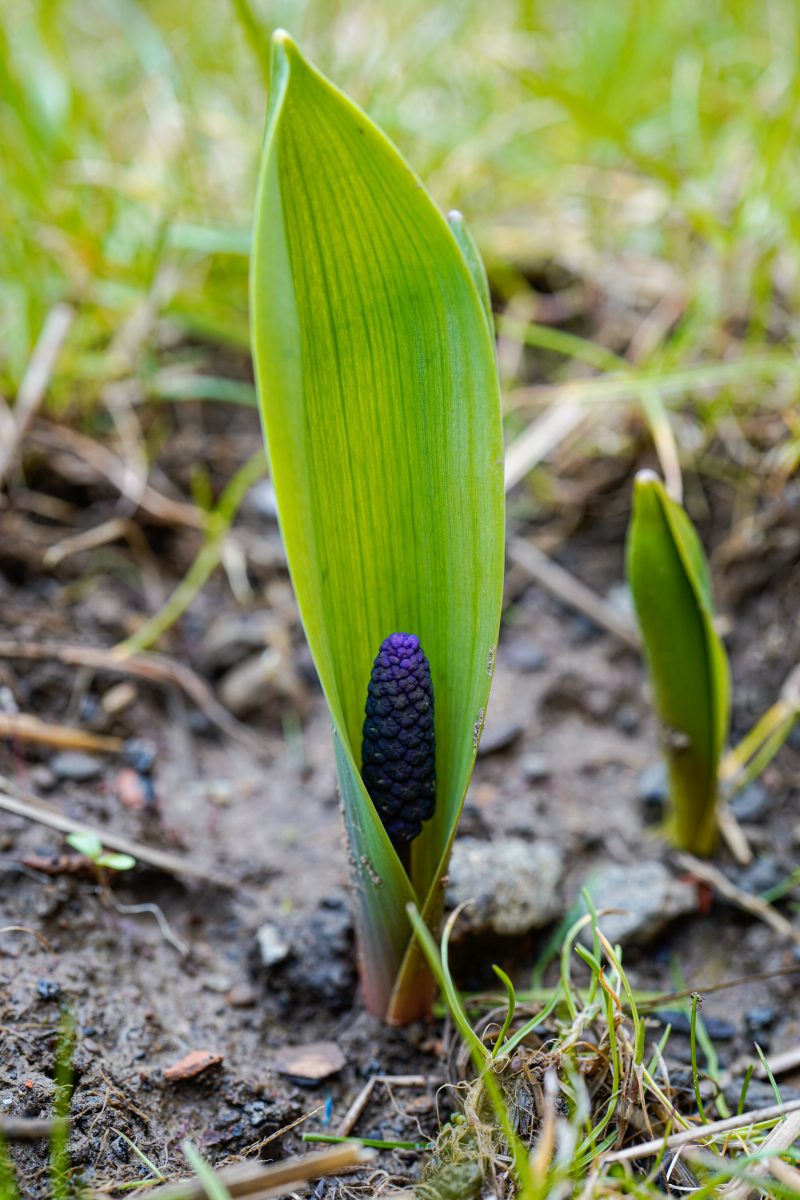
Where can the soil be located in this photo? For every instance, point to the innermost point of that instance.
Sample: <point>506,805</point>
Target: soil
<point>261,820</point>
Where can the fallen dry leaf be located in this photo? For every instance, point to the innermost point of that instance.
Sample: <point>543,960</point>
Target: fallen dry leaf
<point>193,1063</point>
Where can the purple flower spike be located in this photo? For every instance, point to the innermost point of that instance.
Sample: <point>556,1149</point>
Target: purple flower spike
<point>397,755</point>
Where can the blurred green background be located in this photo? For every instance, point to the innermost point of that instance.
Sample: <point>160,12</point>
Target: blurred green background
<point>630,169</point>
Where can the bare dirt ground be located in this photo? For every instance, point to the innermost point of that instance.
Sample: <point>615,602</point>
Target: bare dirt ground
<point>260,820</point>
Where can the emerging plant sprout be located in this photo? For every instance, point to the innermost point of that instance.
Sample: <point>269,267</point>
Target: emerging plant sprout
<point>671,588</point>
<point>398,754</point>
<point>375,366</point>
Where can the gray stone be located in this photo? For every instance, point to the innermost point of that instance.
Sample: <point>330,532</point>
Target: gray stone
<point>512,885</point>
<point>652,790</point>
<point>761,876</point>
<point>648,895</point>
<point>272,946</point>
<point>535,767</point>
<point>761,1016</point>
<point>500,736</point>
<point>525,656</point>
<point>751,804</point>
<point>76,766</point>
<point>626,719</point>
<point>620,598</point>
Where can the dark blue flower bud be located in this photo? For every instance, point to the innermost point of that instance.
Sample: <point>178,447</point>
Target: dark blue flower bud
<point>398,752</point>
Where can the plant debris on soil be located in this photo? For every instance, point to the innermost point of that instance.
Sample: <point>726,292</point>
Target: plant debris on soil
<point>219,1003</point>
<point>205,1001</point>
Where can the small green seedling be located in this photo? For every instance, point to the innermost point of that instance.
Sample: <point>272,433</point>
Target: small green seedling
<point>671,588</point>
<point>375,366</point>
<point>90,846</point>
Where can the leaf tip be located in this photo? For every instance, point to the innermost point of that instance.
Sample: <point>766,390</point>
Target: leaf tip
<point>284,49</point>
<point>646,477</point>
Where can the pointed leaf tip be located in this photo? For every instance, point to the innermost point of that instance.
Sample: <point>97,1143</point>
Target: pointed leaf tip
<point>645,476</point>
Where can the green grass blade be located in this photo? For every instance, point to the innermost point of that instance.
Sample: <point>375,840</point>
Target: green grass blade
<point>8,1186</point>
<point>378,388</point>
<point>212,1185</point>
<point>671,590</point>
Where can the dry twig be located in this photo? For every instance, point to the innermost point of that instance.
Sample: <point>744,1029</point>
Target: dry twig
<point>255,1180</point>
<point>741,1122</point>
<point>571,591</point>
<point>25,804</point>
<point>27,728</point>
<point>736,895</point>
<point>35,381</point>
<point>157,668</point>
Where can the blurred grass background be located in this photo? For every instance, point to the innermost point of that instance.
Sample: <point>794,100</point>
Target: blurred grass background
<point>630,168</point>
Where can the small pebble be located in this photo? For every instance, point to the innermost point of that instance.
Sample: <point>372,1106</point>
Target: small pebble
<point>760,1017</point>
<point>512,885</point>
<point>620,598</point>
<point>525,656</point>
<point>42,778</point>
<point>535,767</point>
<point>140,753</point>
<point>648,895</point>
<point>242,995</point>
<point>626,719</point>
<point>652,791</point>
<point>119,698</point>
<point>497,737</point>
<point>272,947</point>
<point>751,804</point>
<point>760,876</point>
<point>89,709</point>
<point>135,791</point>
<point>48,989</point>
<point>76,766</point>
<point>217,983</point>
<point>583,629</point>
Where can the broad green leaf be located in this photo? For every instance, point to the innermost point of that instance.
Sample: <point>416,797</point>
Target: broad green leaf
<point>671,589</point>
<point>377,382</point>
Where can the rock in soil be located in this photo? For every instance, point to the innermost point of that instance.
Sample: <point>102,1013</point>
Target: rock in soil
<point>318,969</point>
<point>649,895</point>
<point>498,737</point>
<point>751,804</point>
<point>76,766</point>
<point>272,946</point>
<point>652,791</point>
<point>761,1016</point>
<point>525,656</point>
<point>535,767</point>
<point>763,874</point>
<point>512,884</point>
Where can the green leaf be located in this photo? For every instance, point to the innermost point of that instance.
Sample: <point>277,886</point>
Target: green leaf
<point>212,1185</point>
<point>377,382</point>
<point>88,844</point>
<point>671,588</point>
<point>116,862</point>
